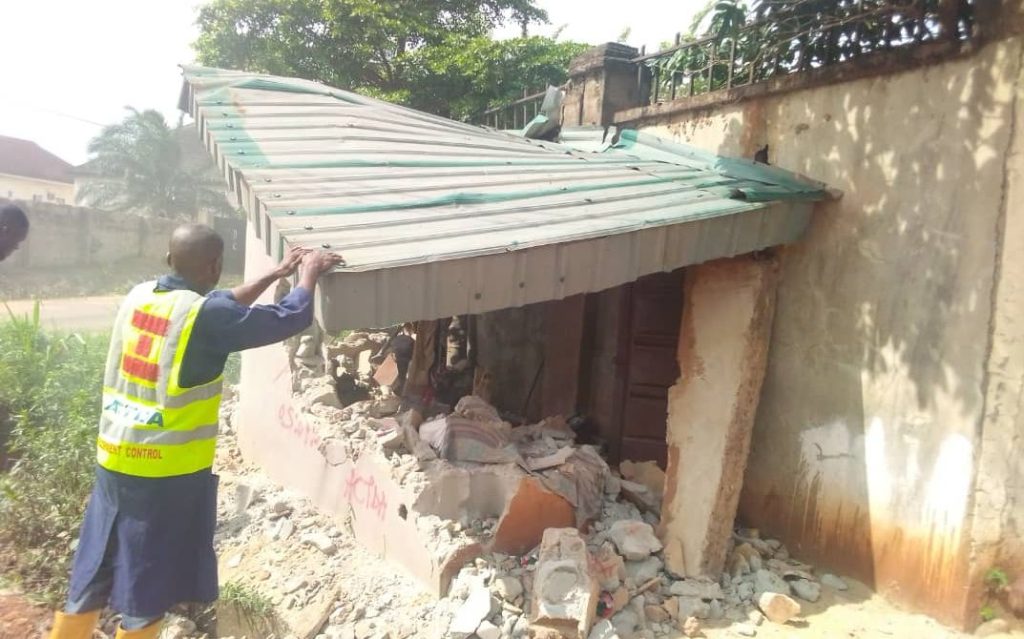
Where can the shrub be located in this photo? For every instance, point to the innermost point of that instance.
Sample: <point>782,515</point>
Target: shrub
<point>50,386</point>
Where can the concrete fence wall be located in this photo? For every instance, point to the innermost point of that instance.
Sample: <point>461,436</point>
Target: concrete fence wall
<point>66,236</point>
<point>889,433</point>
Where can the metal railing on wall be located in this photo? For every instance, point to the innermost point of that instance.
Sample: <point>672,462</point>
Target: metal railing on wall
<point>798,36</point>
<point>514,115</point>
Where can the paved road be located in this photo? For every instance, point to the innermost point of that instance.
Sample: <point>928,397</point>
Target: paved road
<point>82,314</point>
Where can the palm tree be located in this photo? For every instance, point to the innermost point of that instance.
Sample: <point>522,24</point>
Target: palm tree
<point>138,165</point>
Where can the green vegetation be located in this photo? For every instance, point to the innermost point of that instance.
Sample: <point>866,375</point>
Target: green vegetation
<point>996,583</point>
<point>49,406</point>
<point>433,55</point>
<point>246,599</point>
<point>139,164</point>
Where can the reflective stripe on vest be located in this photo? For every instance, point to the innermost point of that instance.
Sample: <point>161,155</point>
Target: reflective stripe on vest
<point>150,426</point>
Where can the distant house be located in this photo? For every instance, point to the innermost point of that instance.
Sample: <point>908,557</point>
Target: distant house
<point>31,173</point>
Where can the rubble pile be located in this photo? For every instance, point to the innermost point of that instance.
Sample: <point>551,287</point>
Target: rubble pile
<point>619,586</point>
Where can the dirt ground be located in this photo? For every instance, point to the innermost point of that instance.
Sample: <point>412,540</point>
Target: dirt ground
<point>20,619</point>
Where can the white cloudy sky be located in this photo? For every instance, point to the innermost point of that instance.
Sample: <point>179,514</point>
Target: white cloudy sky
<point>68,66</point>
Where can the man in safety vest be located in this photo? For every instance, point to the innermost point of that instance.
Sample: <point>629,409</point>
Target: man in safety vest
<point>147,537</point>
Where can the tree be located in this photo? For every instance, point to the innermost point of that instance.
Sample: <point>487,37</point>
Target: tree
<point>782,36</point>
<point>464,76</point>
<point>138,164</point>
<point>424,53</point>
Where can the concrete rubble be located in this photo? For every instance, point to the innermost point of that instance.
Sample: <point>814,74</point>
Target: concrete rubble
<point>520,533</point>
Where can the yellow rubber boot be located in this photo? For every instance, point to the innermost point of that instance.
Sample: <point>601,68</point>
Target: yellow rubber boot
<point>77,626</point>
<point>152,631</point>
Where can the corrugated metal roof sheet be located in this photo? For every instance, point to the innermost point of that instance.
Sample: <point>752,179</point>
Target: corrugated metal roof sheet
<point>436,218</point>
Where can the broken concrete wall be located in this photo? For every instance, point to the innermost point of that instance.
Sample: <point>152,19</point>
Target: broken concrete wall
<point>278,431</point>
<point>723,346</point>
<point>880,377</point>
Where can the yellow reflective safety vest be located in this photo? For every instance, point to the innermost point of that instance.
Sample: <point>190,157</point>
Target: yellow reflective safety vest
<point>150,426</point>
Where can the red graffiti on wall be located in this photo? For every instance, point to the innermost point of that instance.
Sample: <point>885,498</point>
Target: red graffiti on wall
<point>294,423</point>
<point>363,491</point>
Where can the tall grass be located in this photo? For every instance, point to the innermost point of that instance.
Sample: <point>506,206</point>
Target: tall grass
<point>50,386</point>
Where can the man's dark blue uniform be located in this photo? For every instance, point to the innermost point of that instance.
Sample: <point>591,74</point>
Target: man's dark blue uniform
<point>159,532</point>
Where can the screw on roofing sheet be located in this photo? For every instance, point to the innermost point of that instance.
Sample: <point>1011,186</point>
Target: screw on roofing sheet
<point>477,296</point>
<point>267,180</point>
<point>308,227</point>
<point>522,284</point>
<point>277,195</point>
<point>588,199</point>
<point>241,153</point>
<point>325,245</point>
<point>561,279</point>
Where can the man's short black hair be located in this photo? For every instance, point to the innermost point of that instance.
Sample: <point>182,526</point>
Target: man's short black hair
<point>13,218</point>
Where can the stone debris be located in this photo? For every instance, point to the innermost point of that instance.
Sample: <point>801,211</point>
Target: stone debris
<point>488,630</point>
<point>634,539</point>
<point>833,582</point>
<point>691,627</point>
<point>992,627</point>
<point>806,590</point>
<point>322,542</point>
<point>608,583</point>
<point>564,592</point>
<point>471,614</point>
<point>603,629</point>
<point>778,608</point>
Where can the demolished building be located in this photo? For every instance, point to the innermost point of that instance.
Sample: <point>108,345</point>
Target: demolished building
<point>611,276</point>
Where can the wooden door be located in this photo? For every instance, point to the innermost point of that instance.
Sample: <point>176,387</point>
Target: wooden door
<point>653,310</point>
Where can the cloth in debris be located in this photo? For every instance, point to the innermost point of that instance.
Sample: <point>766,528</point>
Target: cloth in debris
<point>472,433</point>
<point>581,481</point>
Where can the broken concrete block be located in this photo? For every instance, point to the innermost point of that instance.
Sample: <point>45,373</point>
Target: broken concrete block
<point>806,590</point>
<point>656,614</point>
<point>620,598</point>
<point>634,539</point>
<point>671,606</point>
<point>626,623</point>
<point>387,373</point>
<point>564,593</point>
<point>508,588</point>
<point>531,510</point>
<point>643,571</point>
<point>691,627</point>
<point>992,627</point>
<point>322,542</point>
<point>471,613</point>
<point>696,588</point>
<point>608,567</point>
<point>834,582</point>
<point>693,607</point>
<point>777,607</point>
<point>649,475</point>
<point>767,581</point>
<point>603,630</point>
<point>488,630</point>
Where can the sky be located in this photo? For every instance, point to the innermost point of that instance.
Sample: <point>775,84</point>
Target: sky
<point>67,67</point>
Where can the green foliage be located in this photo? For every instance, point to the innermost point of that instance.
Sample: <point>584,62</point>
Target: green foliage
<point>434,55</point>
<point>987,613</point>
<point>49,400</point>
<point>467,75</point>
<point>781,36</point>
<point>996,579</point>
<point>138,165</point>
<point>247,600</point>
